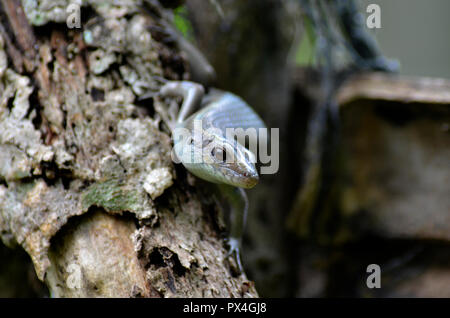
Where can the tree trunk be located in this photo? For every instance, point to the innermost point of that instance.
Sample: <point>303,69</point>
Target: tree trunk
<point>249,49</point>
<point>88,188</point>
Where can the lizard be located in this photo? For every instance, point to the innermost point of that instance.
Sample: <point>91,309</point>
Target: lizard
<point>222,160</point>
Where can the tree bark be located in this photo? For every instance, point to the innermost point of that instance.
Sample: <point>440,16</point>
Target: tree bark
<point>88,188</point>
<point>250,50</point>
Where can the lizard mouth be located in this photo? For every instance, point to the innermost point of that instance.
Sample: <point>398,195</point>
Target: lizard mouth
<point>250,180</point>
<point>246,178</point>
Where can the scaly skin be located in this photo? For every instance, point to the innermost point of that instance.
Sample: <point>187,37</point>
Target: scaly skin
<point>208,154</point>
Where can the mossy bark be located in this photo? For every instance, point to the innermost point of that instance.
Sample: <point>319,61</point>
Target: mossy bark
<point>88,188</point>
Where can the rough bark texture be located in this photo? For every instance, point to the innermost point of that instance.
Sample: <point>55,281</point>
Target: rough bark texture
<point>88,186</point>
<point>250,50</point>
<point>88,189</point>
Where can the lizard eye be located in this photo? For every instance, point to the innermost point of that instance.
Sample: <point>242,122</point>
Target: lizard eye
<point>219,153</point>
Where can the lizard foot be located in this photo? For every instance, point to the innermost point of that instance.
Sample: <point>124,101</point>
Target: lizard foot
<point>234,247</point>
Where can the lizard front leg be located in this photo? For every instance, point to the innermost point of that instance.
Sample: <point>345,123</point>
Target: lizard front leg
<point>192,94</point>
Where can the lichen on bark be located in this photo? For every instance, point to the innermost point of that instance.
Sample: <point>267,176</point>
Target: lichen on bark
<point>86,171</point>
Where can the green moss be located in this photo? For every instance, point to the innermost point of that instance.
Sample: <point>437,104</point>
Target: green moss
<point>182,23</point>
<point>112,196</point>
<point>305,55</point>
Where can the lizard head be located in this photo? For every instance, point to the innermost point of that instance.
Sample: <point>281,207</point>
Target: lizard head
<point>218,160</point>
